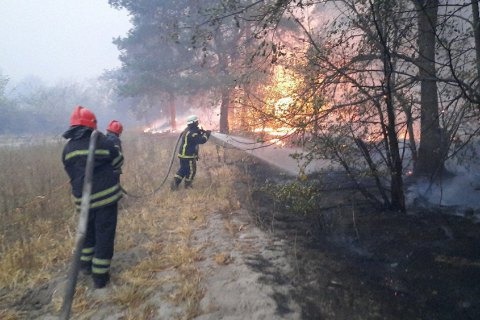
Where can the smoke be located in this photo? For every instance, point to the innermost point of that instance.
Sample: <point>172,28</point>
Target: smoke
<point>209,118</point>
<point>460,189</point>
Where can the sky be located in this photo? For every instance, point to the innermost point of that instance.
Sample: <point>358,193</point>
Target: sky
<point>57,40</point>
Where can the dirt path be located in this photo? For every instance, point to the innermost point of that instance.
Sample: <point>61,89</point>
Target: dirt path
<point>244,271</point>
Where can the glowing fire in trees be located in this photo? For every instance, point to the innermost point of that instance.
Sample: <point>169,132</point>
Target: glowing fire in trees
<point>280,95</point>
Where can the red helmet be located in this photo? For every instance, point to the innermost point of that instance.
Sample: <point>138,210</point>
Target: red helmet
<point>83,117</point>
<point>115,127</point>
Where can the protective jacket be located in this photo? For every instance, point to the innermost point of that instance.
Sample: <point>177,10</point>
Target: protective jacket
<point>105,187</point>
<point>115,139</point>
<point>192,137</point>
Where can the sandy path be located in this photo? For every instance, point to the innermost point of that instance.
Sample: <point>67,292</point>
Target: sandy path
<point>243,271</point>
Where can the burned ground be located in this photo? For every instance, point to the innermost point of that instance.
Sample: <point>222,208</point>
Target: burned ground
<point>353,261</point>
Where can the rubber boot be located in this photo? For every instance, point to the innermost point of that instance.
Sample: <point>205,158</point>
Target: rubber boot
<point>100,280</point>
<point>188,184</point>
<point>175,183</point>
<point>86,267</point>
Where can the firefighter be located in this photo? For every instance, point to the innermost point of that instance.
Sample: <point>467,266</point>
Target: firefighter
<point>192,136</point>
<point>97,250</point>
<point>114,131</point>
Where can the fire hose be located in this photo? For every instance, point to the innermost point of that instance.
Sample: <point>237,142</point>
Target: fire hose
<point>225,145</point>
<point>228,145</point>
<point>81,230</point>
<point>83,219</point>
<point>166,175</point>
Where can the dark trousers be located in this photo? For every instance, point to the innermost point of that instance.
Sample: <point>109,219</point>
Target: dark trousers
<point>187,171</point>
<point>99,241</point>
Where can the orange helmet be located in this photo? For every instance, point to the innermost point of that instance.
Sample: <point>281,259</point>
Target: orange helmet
<point>83,117</point>
<point>115,127</point>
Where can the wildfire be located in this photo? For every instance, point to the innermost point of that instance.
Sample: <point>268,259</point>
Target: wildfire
<point>158,127</point>
<point>280,97</point>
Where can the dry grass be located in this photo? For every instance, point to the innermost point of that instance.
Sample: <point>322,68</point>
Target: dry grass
<point>167,222</point>
<point>10,315</point>
<point>37,238</point>
<point>35,213</point>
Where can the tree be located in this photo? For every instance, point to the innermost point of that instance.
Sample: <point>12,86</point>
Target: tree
<point>431,153</point>
<point>6,116</point>
<point>32,107</point>
<point>173,50</point>
<point>377,69</point>
<point>365,84</point>
<point>373,78</point>
<point>157,63</point>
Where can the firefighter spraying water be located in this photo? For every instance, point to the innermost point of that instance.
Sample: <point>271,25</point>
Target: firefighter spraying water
<point>188,149</point>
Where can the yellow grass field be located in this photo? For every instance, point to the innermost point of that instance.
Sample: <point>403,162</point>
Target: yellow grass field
<point>153,234</point>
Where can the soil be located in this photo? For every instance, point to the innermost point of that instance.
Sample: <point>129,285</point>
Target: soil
<point>353,261</point>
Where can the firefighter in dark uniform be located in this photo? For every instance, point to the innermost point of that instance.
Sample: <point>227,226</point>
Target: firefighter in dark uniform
<point>114,131</point>
<point>188,152</point>
<point>97,250</point>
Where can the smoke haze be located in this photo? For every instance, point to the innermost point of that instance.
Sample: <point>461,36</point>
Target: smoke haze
<point>57,40</point>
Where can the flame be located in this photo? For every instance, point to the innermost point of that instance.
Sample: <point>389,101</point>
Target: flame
<point>156,131</point>
<point>158,126</point>
<point>280,99</point>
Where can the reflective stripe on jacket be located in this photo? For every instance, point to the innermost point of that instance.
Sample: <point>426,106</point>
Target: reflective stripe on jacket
<point>105,187</point>
<point>192,137</point>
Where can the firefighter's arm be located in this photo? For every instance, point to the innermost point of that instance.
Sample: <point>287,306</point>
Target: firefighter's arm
<point>117,158</point>
<point>199,137</point>
<point>63,156</point>
<point>203,136</point>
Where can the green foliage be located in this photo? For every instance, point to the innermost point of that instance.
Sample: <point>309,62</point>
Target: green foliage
<point>156,54</point>
<point>181,48</point>
<point>295,197</point>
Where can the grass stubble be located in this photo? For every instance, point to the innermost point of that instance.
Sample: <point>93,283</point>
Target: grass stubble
<point>38,231</point>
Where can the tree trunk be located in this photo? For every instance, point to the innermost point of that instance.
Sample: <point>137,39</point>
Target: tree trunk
<point>172,110</point>
<point>244,110</point>
<point>476,30</point>
<point>224,110</point>
<point>430,154</point>
<point>397,195</point>
<point>396,171</point>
